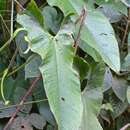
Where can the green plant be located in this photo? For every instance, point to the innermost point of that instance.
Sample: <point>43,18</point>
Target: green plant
<point>75,46</point>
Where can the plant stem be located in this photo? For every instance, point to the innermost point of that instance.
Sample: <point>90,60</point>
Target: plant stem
<point>125,127</point>
<point>11,38</point>
<point>12,18</point>
<point>17,2</point>
<point>16,70</point>
<point>26,103</point>
<point>13,58</point>
<point>126,29</point>
<point>6,44</point>
<point>4,24</point>
<point>82,18</point>
<point>5,74</point>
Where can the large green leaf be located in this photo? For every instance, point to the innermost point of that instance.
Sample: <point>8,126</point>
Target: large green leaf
<point>63,87</point>
<point>102,39</point>
<point>92,99</point>
<point>61,81</point>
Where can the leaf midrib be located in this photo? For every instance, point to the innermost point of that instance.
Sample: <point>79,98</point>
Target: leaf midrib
<point>58,84</point>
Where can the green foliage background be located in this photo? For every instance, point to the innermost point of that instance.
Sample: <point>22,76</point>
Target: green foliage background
<point>81,50</point>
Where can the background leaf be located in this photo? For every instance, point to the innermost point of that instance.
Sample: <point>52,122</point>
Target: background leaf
<point>32,67</point>
<point>119,86</point>
<point>92,99</point>
<point>53,19</point>
<point>35,11</point>
<point>37,121</point>
<point>126,2</point>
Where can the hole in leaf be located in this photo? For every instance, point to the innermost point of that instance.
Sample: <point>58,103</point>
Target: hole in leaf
<point>63,99</point>
<point>22,126</point>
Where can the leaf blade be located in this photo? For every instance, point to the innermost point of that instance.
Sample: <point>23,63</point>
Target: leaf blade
<point>61,81</point>
<point>102,39</point>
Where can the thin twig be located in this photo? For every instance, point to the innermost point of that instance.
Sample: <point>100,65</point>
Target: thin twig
<point>11,39</point>
<point>13,58</point>
<point>33,85</point>
<point>17,2</point>
<point>126,29</point>
<point>6,44</point>
<point>125,127</point>
<point>26,103</point>
<point>16,70</point>
<point>12,17</point>
<point>3,21</point>
<point>5,74</point>
<point>82,18</point>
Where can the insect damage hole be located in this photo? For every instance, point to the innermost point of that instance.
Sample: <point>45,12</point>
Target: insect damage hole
<point>63,99</point>
<point>22,126</point>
